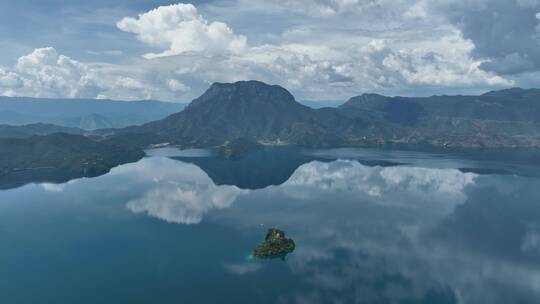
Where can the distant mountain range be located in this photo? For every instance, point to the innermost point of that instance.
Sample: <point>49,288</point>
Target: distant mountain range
<point>269,114</point>
<point>499,118</point>
<point>88,114</point>
<point>40,129</point>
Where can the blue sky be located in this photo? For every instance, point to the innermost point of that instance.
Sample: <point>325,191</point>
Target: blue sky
<point>318,49</point>
<point>72,27</point>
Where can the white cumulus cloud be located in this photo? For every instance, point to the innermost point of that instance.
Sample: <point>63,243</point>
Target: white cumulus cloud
<point>179,28</point>
<point>46,73</point>
<point>318,49</point>
<point>329,52</point>
<point>177,86</point>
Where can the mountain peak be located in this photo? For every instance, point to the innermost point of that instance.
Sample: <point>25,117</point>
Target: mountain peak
<point>243,84</point>
<point>511,93</point>
<point>365,100</point>
<point>244,109</point>
<point>239,93</point>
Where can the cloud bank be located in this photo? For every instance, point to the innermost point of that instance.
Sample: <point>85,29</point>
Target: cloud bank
<point>323,49</point>
<point>48,74</point>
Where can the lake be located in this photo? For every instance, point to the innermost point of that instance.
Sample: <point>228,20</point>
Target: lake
<point>370,226</point>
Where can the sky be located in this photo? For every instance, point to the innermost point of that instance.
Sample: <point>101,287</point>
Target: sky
<point>317,49</point>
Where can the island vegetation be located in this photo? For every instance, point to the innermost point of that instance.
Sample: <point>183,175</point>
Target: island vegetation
<point>275,245</point>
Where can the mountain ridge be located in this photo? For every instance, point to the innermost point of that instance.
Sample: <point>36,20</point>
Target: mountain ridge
<point>227,111</point>
<point>39,129</point>
<point>241,116</point>
<point>89,114</point>
<point>269,113</point>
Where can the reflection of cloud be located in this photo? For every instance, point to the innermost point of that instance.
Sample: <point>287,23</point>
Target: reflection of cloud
<point>184,203</point>
<point>531,242</point>
<point>357,238</point>
<point>389,254</point>
<point>52,187</point>
<point>424,184</point>
<point>176,192</point>
<point>466,239</point>
<point>427,180</point>
<point>244,268</point>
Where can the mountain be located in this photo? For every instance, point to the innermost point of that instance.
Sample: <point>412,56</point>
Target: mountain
<point>245,109</point>
<point>499,118</point>
<point>237,118</point>
<point>514,105</point>
<point>228,111</point>
<point>269,114</point>
<point>58,157</point>
<point>88,114</point>
<point>7,131</point>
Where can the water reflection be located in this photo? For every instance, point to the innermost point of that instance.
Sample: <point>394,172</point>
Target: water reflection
<point>175,192</point>
<point>382,253</point>
<point>363,234</point>
<point>273,166</point>
<point>257,170</point>
<point>402,234</point>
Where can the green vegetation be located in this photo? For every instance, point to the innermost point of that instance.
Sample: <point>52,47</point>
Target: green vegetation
<point>275,245</point>
<point>58,157</point>
<point>238,148</point>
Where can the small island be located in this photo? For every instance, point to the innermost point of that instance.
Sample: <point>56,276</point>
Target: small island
<point>275,245</point>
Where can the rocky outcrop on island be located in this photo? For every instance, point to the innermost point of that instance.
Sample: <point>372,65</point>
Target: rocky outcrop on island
<point>275,245</point>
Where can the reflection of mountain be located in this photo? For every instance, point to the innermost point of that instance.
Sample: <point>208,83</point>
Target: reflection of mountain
<point>401,234</point>
<point>259,169</point>
<point>265,167</point>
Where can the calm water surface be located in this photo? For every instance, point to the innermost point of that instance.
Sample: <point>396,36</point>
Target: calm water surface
<point>370,227</point>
